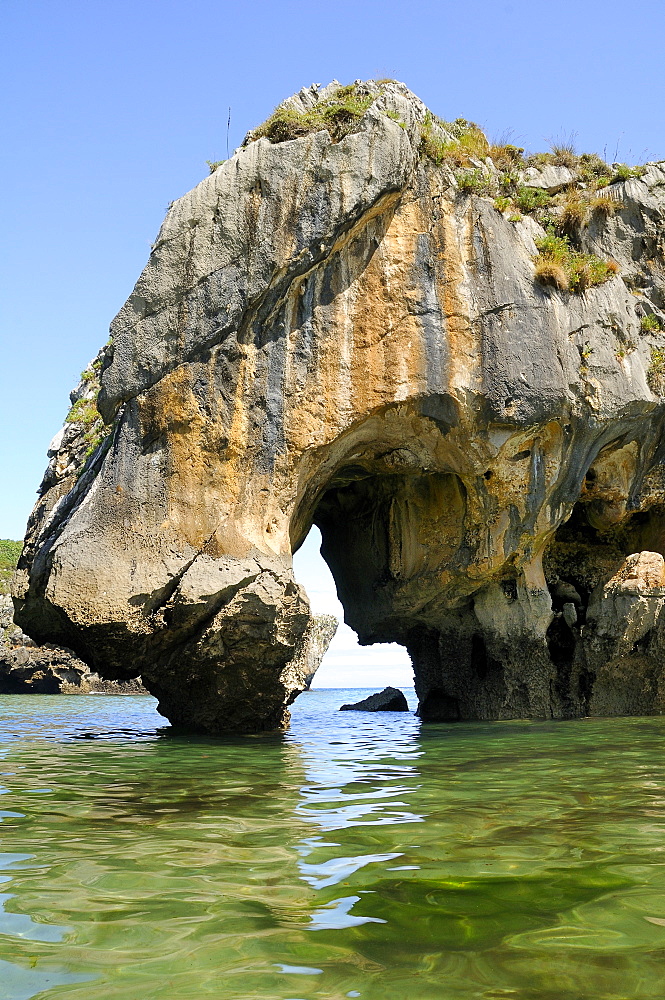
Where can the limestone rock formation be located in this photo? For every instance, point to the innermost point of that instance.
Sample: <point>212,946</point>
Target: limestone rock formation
<point>351,327</point>
<point>389,700</point>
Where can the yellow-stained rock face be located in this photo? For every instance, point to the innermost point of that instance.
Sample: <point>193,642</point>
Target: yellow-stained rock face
<point>331,332</point>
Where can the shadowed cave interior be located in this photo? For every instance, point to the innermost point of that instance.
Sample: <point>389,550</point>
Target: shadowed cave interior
<point>400,546</point>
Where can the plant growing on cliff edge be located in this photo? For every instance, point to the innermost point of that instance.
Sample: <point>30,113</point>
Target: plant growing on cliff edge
<point>212,165</point>
<point>550,272</point>
<point>469,142</point>
<point>605,204</point>
<point>84,411</point>
<point>506,157</point>
<point>338,115</point>
<point>472,181</point>
<point>656,371</point>
<point>622,172</point>
<point>573,212</point>
<point>502,203</point>
<point>530,198</point>
<point>396,118</point>
<point>509,180</point>
<point>593,170</point>
<point>557,264</point>
<point>650,324</point>
<point>564,154</point>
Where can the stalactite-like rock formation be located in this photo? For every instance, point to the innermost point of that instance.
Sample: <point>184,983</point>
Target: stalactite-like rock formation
<point>346,328</point>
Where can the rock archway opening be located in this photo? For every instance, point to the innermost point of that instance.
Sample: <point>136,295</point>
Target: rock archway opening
<point>389,539</point>
<point>500,619</point>
<point>346,663</point>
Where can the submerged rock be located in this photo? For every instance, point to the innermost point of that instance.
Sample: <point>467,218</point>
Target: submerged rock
<point>389,700</point>
<point>340,329</point>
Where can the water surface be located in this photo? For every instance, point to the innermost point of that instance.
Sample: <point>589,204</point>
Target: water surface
<point>356,856</point>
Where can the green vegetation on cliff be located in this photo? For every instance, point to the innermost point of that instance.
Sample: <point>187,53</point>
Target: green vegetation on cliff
<point>9,554</point>
<point>567,269</point>
<point>338,115</point>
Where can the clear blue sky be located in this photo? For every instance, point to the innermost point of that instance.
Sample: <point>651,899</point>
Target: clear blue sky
<point>111,108</point>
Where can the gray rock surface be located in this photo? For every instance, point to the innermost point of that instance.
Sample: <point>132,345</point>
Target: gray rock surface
<point>333,332</point>
<point>551,177</point>
<point>318,636</point>
<point>26,668</point>
<point>389,700</point>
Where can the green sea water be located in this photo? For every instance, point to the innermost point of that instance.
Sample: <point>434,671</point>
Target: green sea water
<point>356,856</point>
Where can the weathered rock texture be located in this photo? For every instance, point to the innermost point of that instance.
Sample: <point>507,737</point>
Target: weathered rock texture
<point>334,333</point>
<point>317,638</point>
<point>389,700</point>
<point>26,668</point>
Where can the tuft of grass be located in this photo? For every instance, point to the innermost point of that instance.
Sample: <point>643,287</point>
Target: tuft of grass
<point>84,411</point>
<point>459,127</point>
<point>505,156</point>
<point>530,198</point>
<point>471,181</point>
<point>580,270</point>
<point>549,272</point>
<point>656,371</point>
<point>212,165</point>
<point>564,154</point>
<point>573,212</point>
<point>540,159</point>
<point>593,170</point>
<point>650,323</point>
<point>338,115</point>
<point>515,217</point>
<point>502,203</point>
<point>469,142</point>
<point>622,172</point>
<point>604,204</point>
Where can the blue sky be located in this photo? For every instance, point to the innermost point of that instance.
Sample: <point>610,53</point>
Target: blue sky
<point>111,109</point>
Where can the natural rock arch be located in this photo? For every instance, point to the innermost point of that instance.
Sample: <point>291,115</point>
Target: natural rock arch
<point>333,332</point>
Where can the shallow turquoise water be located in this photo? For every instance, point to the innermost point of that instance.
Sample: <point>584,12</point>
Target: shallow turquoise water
<point>357,856</point>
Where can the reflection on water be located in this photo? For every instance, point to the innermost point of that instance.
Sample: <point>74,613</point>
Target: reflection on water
<point>357,856</point>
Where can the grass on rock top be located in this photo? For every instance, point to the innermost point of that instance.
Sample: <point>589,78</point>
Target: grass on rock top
<point>488,169</point>
<point>338,115</point>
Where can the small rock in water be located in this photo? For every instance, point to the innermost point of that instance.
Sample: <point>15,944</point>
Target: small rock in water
<point>388,700</point>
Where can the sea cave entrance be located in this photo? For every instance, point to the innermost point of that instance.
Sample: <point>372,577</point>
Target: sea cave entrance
<point>388,537</point>
<point>346,664</point>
